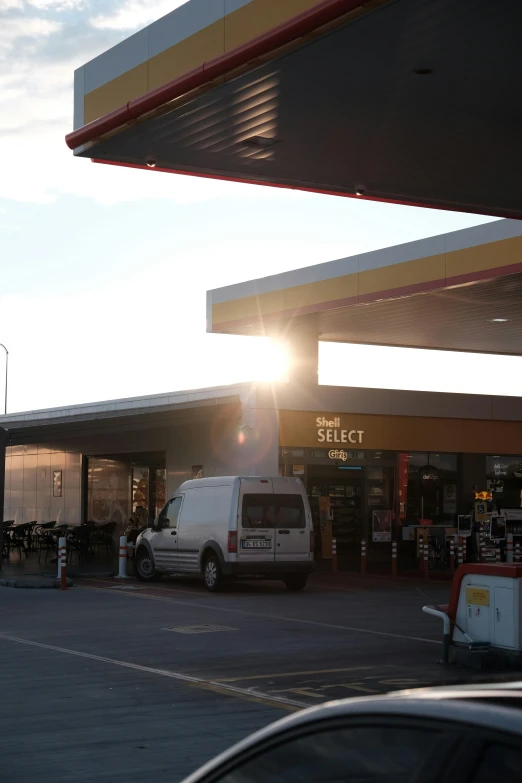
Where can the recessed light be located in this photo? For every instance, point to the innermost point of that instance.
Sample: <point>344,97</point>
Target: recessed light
<point>260,141</point>
<point>498,320</point>
<point>359,192</point>
<point>422,71</point>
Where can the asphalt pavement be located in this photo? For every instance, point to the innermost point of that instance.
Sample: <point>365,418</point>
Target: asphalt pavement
<point>113,680</point>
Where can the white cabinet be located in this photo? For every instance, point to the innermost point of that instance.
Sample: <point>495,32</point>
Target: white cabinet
<point>478,614</point>
<point>504,617</point>
<point>490,607</point>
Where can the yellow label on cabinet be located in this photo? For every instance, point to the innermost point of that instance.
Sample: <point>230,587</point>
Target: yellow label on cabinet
<point>477,595</point>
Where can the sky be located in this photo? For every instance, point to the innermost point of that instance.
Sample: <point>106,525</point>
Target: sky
<point>103,270</point>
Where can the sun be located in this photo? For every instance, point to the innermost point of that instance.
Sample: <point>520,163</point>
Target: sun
<point>271,361</point>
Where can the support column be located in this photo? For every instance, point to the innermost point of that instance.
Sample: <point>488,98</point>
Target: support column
<point>301,338</point>
<point>3,442</point>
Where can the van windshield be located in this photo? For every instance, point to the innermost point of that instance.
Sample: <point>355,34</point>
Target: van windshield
<point>273,511</point>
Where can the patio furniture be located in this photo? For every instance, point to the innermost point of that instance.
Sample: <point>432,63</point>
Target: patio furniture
<point>78,542</point>
<point>103,537</point>
<point>47,538</point>
<point>18,539</point>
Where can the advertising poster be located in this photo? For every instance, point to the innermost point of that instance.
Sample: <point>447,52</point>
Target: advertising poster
<point>450,499</point>
<point>404,463</point>
<point>481,511</point>
<point>325,521</point>
<point>381,526</point>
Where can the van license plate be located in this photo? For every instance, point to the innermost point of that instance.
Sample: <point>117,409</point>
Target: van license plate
<point>256,544</point>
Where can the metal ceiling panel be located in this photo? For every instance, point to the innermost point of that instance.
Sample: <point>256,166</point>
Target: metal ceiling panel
<point>415,102</point>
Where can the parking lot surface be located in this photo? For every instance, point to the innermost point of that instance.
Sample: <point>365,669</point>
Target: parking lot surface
<point>114,680</point>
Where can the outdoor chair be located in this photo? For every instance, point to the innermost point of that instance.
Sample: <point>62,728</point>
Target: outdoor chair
<point>103,537</point>
<point>78,542</point>
<point>18,539</point>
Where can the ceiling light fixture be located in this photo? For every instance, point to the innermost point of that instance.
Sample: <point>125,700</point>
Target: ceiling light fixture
<point>359,192</point>
<point>498,320</point>
<point>260,141</point>
<point>150,161</point>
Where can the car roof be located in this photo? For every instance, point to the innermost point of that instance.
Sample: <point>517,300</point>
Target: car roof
<point>479,706</point>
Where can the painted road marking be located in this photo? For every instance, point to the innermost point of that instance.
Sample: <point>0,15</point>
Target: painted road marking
<point>189,629</point>
<point>216,608</point>
<point>198,682</point>
<point>294,674</point>
<point>123,587</point>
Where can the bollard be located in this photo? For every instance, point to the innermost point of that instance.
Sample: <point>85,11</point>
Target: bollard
<point>460,554</point>
<point>452,555</point>
<point>62,559</point>
<point>426,563</point>
<point>122,562</point>
<point>394,558</point>
<point>334,555</point>
<point>497,554</point>
<point>363,557</point>
<point>482,556</point>
<point>509,548</point>
<point>421,553</point>
<point>517,552</point>
<point>446,625</point>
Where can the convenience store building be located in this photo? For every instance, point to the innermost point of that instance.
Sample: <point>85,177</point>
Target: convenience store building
<point>366,456</point>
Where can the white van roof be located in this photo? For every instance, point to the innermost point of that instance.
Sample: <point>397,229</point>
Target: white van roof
<point>220,481</point>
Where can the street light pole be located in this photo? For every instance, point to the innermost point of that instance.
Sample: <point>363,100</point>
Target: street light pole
<point>6,369</point>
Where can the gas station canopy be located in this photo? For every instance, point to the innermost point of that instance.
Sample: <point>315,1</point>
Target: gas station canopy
<point>408,101</point>
<point>457,291</point>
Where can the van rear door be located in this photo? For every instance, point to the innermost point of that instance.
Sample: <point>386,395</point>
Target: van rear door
<point>292,521</point>
<point>255,522</point>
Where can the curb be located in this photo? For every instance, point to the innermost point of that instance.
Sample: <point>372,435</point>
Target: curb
<point>34,583</point>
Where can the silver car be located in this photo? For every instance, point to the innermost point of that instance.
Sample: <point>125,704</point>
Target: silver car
<point>462,735</point>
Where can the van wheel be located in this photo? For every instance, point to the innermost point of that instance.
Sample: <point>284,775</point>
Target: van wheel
<point>212,574</point>
<point>296,582</point>
<point>144,566</point>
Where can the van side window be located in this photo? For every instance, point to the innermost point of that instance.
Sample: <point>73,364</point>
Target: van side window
<point>169,515</point>
<point>281,511</point>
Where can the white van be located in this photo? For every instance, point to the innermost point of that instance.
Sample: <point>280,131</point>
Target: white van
<point>231,526</point>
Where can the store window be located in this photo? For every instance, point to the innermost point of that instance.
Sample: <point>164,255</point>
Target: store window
<point>504,480</point>
<point>428,488</point>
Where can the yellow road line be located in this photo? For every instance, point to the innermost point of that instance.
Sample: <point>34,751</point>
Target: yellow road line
<point>293,674</point>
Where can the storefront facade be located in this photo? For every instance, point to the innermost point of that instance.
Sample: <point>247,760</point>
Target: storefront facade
<point>375,466</point>
<point>383,478</point>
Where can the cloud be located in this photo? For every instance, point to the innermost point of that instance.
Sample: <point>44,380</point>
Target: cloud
<point>19,28</point>
<point>36,106</point>
<point>56,5</point>
<point>132,14</point>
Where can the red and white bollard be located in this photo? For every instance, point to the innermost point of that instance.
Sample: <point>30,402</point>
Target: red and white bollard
<point>517,552</point>
<point>452,555</point>
<point>460,550</point>
<point>426,560</point>
<point>497,554</point>
<point>363,557</point>
<point>509,548</point>
<point>122,561</point>
<point>394,558</point>
<point>62,563</point>
<point>334,555</point>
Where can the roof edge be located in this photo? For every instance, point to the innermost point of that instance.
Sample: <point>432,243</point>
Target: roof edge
<point>261,46</point>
